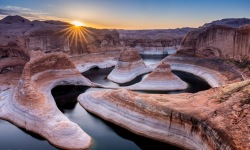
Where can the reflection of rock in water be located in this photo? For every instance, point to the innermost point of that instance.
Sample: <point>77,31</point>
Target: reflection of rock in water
<point>66,96</point>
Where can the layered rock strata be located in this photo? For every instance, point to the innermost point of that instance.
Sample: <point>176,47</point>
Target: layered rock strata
<point>153,41</point>
<point>217,41</point>
<point>101,60</point>
<point>214,119</point>
<point>216,72</point>
<point>11,56</point>
<point>128,67</point>
<point>56,36</point>
<point>161,79</point>
<point>31,106</point>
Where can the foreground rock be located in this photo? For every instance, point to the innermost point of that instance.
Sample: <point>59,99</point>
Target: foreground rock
<point>31,106</point>
<point>161,79</point>
<point>129,66</point>
<point>213,119</point>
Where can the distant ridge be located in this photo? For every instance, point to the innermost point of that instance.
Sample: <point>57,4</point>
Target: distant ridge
<point>14,19</point>
<point>230,22</point>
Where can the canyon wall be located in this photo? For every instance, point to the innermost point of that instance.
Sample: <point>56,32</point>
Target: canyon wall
<point>55,36</point>
<point>160,40</point>
<point>217,41</point>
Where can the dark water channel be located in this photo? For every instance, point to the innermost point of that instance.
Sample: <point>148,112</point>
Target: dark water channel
<point>106,135</point>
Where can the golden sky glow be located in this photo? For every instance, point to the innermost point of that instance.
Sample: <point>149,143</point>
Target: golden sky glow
<point>128,14</point>
<point>77,23</point>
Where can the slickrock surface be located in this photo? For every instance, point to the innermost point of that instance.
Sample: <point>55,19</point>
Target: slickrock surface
<point>214,119</point>
<point>217,41</point>
<point>101,60</point>
<point>128,67</point>
<point>216,72</point>
<point>31,106</point>
<point>161,79</point>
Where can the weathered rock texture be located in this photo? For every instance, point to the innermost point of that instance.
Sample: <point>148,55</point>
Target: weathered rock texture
<point>92,60</point>
<point>218,41</point>
<point>128,67</point>
<point>216,72</point>
<point>31,106</point>
<point>213,119</point>
<point>153,41</point>
<point>12,56</point>
<point>54,36</point>
<point>161,79</point>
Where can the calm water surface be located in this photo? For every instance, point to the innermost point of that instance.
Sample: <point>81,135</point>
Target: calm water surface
<point>105,135</point>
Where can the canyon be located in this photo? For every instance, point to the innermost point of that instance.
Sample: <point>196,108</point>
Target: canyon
<point>37,56</point>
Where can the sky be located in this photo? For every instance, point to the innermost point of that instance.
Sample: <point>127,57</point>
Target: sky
<point>129,14</point>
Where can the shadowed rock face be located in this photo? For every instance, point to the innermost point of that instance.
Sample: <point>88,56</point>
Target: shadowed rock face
<point>217,41</point>
<point>231,22</point>
<point>128,67</point>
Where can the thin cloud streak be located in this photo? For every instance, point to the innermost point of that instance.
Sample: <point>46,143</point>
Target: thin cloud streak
<point>28,13</point>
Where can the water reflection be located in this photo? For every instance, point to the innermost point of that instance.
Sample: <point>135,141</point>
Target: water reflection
<point>105,135</point>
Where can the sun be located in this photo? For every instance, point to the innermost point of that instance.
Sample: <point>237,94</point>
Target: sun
<point>77,23</point>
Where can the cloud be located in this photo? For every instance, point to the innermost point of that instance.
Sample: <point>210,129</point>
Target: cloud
<point>28,13</point>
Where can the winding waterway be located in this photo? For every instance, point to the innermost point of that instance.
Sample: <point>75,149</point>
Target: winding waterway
<point>105,135</point>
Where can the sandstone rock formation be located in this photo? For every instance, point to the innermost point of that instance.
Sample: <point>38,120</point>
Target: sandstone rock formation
<point>12,56</point>
<point>128,67</point>
<point>215,72</point>
<point>31,106</point>
<point>161,79</point>
<point>153,41</point>
<point>213,119</point>
<point>54,36</point>
<point>217,41</point>
<point>101,60</point>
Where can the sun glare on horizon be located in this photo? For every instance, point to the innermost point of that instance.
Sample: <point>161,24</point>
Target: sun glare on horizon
<point>78,23</point>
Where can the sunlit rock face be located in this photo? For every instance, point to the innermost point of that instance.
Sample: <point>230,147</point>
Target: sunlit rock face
<point>128,67</point>
<point>31,106</point>
<point>161,79</point>
<point>214,119</point>
<point>217,41</point>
